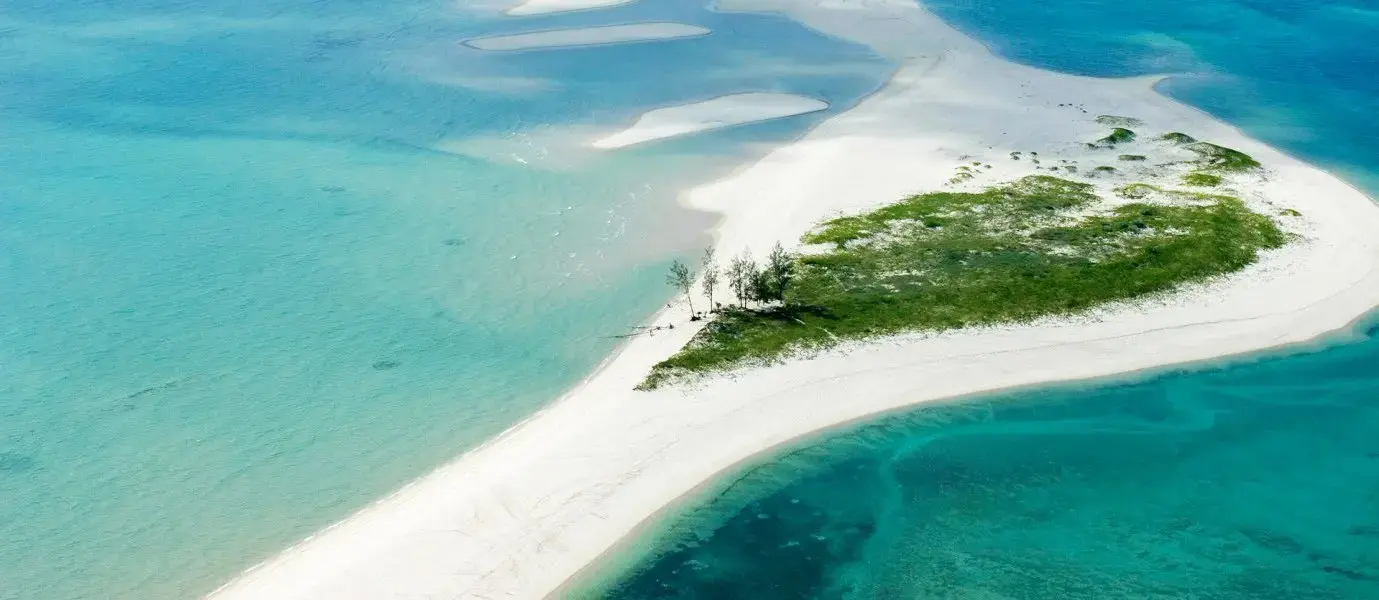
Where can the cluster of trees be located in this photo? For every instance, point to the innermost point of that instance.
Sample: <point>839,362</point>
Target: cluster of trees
<point>751,283</point>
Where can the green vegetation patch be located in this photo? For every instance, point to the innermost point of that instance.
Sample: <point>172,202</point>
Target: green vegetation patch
<point>1200,179</point>
<point>1025,199</point>
<point>1132,157</point>
<point>1137,191</point>
<point>1011,253</point>
<point>1221,158</point>
<point>961,174</point>
<point>1119,135</point>
<point>1177,138</point>
<point>1145,191</point>
<point>1114,121</point>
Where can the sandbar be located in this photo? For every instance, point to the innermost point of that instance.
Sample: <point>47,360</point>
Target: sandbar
<point>543,7</point>
<point>587,36</point>
<point>520,515</point>
<point>717,113</point>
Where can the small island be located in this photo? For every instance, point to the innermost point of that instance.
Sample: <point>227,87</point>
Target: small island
<point>1008,252</point>
<point>963,230</point>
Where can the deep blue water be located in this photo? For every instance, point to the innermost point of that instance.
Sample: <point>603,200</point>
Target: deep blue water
<point>263,262</point>
<point>1256,479</point>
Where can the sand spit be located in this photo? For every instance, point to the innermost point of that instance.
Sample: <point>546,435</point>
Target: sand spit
<point>518,516</point>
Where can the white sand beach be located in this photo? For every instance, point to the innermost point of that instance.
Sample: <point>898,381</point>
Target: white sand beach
<point>587,36</point>
<point>544,7</point>
<point>519,516</point>
<point>716,113</point>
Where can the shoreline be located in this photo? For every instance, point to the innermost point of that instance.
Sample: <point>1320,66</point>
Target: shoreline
<point>599,570</point>
<point>603,461</point>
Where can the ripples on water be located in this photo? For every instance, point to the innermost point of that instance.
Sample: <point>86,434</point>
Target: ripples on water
<point>1258,481</point>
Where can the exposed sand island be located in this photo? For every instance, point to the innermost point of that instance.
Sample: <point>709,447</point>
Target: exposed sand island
<point>587,36</point>
<point>543,7</point>
<point>717,113</point>
<point>519,516</point>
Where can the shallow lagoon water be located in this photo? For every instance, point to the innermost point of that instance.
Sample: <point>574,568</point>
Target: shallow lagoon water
<point>1253,479</point>
<point>265,262</point>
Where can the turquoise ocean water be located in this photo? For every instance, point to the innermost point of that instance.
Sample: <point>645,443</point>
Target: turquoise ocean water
<point>263,262</point>
<point>1250,479</point>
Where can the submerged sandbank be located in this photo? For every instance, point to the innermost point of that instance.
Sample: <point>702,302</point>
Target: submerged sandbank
<point>588,36</point>
<point>519,516</point>
<point>717,113</point>
<point>542,7</point>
